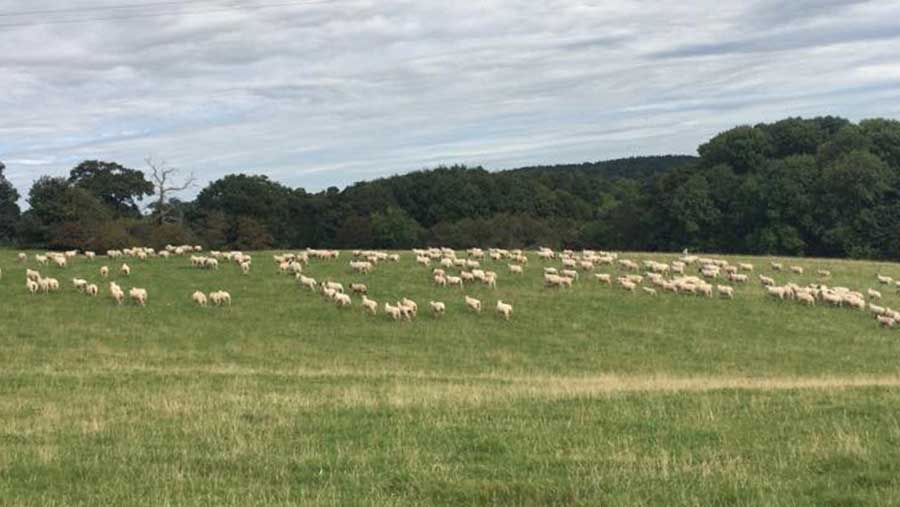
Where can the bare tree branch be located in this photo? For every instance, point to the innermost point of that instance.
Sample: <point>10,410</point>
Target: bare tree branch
<point>160,174</point>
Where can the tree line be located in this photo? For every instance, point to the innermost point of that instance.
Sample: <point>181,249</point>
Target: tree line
<point>817,187</point>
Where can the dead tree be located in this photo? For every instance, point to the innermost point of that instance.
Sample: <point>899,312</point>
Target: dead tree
<point>161,174</point>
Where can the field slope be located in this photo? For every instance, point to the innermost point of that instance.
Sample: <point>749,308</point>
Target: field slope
<point>588,396</point>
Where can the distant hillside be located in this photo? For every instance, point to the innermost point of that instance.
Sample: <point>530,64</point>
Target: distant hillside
<point>632,167</point>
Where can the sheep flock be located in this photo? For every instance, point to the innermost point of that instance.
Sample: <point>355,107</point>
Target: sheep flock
<point>449,273</point>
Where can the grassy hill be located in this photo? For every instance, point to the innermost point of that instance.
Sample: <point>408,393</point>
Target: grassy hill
<point>587,396</point>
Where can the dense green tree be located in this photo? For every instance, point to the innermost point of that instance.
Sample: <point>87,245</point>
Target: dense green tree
<point>116,186</point>
<point>9,207</point>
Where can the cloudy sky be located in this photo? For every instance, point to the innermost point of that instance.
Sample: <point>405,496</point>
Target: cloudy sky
<point>316,93</point>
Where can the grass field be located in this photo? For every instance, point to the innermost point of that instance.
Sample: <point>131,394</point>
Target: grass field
<point>589,396</point>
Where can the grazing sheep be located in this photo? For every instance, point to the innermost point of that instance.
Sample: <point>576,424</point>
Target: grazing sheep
<point>199,298</point>
<point>437,308</point>
<point>649,291</point>
<point>745,267</point>
<point>455,281</point>
<point>725,291</point>
<point>92,290</point>
<point>873,294</point>
<point>307,282</point>
<point>824,273</point>
<point>603,278</point>
<point>359,288</point>
<point>392,311</point>
<point>79,284</point>
<point>777,266</point>
<point>766,281</point>
<point>22,257</point>
<point>504,309</point>
<point>104,271</point>
<point>32,275</point>
<point>125,270</point>
<point>220,297</point>
<point>342,300</point>
<point>627,285</point>
<point>32,286</point>
<point>369,305</point>
<point>806,298</point>
<point>245,268</point>
<point>797,269</point>
<point>777,292</point>
<point>886,321</point>
<point>138,295</point>
<point>473,303</point>
<point>411,305</point>
<point>516,269</point>
<point>884,280</point>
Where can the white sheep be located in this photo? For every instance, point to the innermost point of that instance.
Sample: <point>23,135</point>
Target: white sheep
<point>886,321</point>
<point>22,257</point>
<point>603,278</point>
<point>504,309</point>
<point>138,295</point>
<point>649,291</point>
<point>32,286</point>
<point>797,269</point>
<point>199,298</point>
<point>92,290</point>
<point>473,303</point>
<point>516,269</point>
<point>220,297</point>
<point>392,311</point>
<point>437,308</point>
<point>369,305</point>
<point>342,300</point>
<point>79,284</point>
<point>245,268</point>
<point>125,270</point>
<point>873,294</point>
<point>359,288</point>
<point>725,291</point>
<point>410,304</point>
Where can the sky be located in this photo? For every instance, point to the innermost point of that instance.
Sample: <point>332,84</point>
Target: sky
<point>319,93</point>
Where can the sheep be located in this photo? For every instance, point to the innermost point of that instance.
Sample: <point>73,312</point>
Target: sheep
<point>873,294</point>
<point>649,291</point>
<point>627,285</point>
<point>90,255</point>
<point>437,308</point>
<point>473,303</point>
<point>455,281</point>
<point>823,273</point>
<point>52,283</point>
<point>41,259</point>
<point>777,266</point>
<point>245,268</point>
<point>335,286</point>
<point>125,270</point>
<point>725,291</point>
<point>310,283</point>
<point>877,310</point>
<point>359,288</point>
<point>92,290</point>
<point>22,257</point>
<point>32,275</point>
<point>777,292</point>
<point>199,298</point>
<point>342,300</point>
<point>504,309</point>
<point>440,280</point>
<point>392,311</point>
<point>31,286</point>
<point>745,266</point>
<point>766,281</point>
<point>886,321</point>
<point>138,295</point>
<point>603,278</point>
<point>797,269</point>
<point>220,297</point>
<point>369,305</point>
<point>79,284</point>
<point>516,269</point>
<point>806,298</point>
<point>884,280</point>
<point>411,305</point>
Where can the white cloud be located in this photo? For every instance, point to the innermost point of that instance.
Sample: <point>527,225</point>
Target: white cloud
<point>327,92</point>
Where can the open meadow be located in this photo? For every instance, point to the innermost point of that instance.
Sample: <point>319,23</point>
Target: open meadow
<point>586,396</point>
